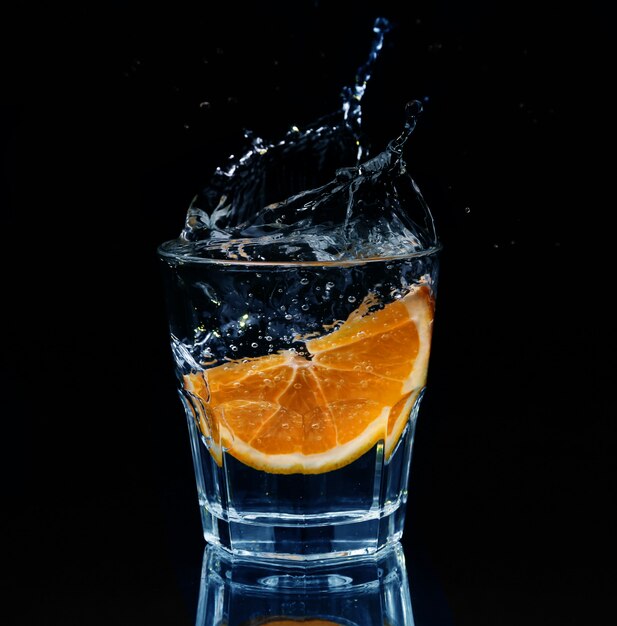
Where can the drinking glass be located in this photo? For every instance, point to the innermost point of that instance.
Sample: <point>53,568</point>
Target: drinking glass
<point>301,384</point>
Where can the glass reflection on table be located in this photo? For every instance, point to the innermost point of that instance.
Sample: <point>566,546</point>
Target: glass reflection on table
<point>356,591</point>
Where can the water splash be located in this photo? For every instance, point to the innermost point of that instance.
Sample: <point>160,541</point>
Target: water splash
<point>311,196</point>
<point>352,96</point>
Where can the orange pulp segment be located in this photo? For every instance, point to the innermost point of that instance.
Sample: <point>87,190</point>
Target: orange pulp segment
<point>285,413</point>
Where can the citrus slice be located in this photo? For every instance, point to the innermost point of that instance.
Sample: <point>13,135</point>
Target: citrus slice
<point>287,413</point>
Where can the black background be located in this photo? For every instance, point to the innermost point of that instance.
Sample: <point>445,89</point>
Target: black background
<point>113,117</point>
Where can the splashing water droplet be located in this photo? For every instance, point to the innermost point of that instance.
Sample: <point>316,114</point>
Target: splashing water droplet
<point>315,195</point>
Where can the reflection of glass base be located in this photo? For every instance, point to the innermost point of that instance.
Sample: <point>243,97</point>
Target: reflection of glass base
<point>357,591</point>
<point>353,535</point>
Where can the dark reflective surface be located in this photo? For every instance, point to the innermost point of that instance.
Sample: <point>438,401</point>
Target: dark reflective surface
<point>115,112</point>
<point>365,591</point>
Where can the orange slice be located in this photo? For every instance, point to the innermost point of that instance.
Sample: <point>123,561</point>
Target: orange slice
<point>286,413</point>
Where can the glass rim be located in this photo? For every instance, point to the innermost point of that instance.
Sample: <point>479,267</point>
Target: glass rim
<point>198,260</point>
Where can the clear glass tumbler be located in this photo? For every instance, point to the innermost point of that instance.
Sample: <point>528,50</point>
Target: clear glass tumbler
<point>301,383</point>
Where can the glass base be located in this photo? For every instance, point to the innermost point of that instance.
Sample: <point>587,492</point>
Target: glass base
<point>291,540</point>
